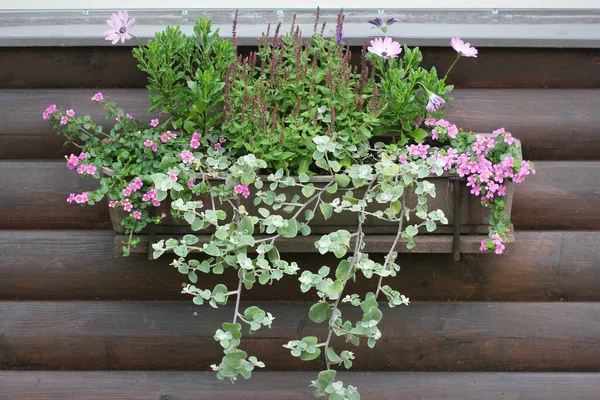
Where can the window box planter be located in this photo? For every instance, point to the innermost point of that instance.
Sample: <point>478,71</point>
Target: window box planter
<point>467,218</point>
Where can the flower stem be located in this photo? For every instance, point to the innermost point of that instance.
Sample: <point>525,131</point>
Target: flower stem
<point>451,66</point>
<point>388,256</point>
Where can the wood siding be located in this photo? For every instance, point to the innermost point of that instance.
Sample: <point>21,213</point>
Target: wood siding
<point>524,325</point>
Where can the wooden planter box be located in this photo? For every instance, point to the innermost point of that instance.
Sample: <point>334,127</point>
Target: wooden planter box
<point>468,220</point>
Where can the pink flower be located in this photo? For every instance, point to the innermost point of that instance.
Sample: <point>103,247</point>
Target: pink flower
<point>493,187</point>
<point>112,204</point>
<point>196,135</point>
<point>127,206</point>
<point>218,146</point>
<point>78,198</point>
<point>127,191</point>
<point>155,203</point>
<point>462,48</point>
<point>70,113</point>
<point>483,246</point>
<point>435,135</point>
<point>163,215</point>
<point>476,190</point>
<point>498,131</point>
<point>508,139</point>
<point>418,122</point>
<point>186,156</point>
<point>222,140</point>
<point>385,47</point>
<point>118,118</point>
<point>136,214</point>
<point>72,161</point>
<point>137,183</point>
<point>129,116</point>
<point>430,121</point>
<point>435,102</point>
<point>242,189</point>
<point>98,97</point>
<point>64,120</point>
<point>452,131</point>
<point>49,110</point>
<point>500,249</point>
<point>164,138</point>
<point>150,143</point>
<point>120,27</point>
<point>194,143</point>
<point>403,159</point>
<point>173,176</point>
<point>91,169</point>
<point>81,169</point>
<point>82,156</point>
<point>190,184</point>
<point>173,135</point>
<point>154,123</point>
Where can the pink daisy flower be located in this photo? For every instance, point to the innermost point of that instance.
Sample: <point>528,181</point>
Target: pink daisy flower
<point>385,47</point>
<point>508,139</point>
<point>120,26</point>
<point>435,102</point>
<point>186,156</point>
<point>136,214</point>
<point>462,48</point>
<point>164,138</point>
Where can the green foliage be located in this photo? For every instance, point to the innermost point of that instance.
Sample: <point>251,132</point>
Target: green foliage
<point>186,75</point>
<point>244,126</point>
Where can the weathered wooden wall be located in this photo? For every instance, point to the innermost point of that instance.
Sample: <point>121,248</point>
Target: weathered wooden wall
<point>77,321</point>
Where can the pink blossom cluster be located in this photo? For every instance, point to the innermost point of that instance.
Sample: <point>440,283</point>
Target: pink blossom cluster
<point>150,195</point>
<point>78,198</point>
<point>150,143</point>
<point>127,206</point>
<point>86,169</point>
<point>420,150</point>
<point>48,111</point>
<point>133,187</point>
<point>483,144</point>
<point>73,160</point>
<point>496,241</point>
<point>242,189</point>
<point>195,142</point>
<point>219,145</point>
<point>166,136</point>
<point>441,127</point>
<point>186,156</point>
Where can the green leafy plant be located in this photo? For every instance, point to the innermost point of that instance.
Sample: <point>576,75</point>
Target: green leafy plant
<point>256,149</point>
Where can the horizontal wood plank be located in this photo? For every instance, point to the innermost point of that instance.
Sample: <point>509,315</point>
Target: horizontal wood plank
<point>38,385</point>
<point>562,195</point>
<point>81,265</point>
<point>79,67</point>
<point>425,336</point>
<point>552,123</point>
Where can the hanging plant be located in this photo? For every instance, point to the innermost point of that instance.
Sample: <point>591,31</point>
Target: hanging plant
<point>255,149</point>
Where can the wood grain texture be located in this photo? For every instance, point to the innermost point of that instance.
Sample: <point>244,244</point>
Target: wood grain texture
<point>103,67</point>
<point>34,196</point>
<point>427,336</point>
<point>562,195</point>
<point>81,265</point>
<point>552,123</point>
<point>38,385</point>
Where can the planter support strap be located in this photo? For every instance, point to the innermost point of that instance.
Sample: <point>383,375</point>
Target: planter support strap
<point>456,186</point>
